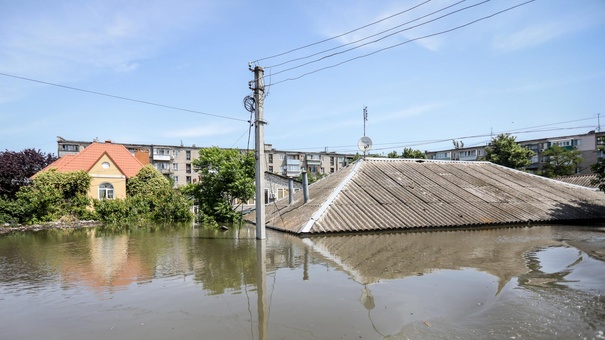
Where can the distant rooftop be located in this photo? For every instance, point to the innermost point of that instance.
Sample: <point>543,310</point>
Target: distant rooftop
<point>389,194</point>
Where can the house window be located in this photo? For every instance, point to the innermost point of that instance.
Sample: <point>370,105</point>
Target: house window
<point>175,152</point>
<point>162,166</point>
<point>270,168</point>
<point>188,168</point>
<point>188,179</point>
<point>176,179</point>
<point>175,166</point>
<point>105,191</point>
<point>332,162</point>
<point>188,155</point>
<point>281,157</point>
<point>69,147</point>
<point>270,158</point>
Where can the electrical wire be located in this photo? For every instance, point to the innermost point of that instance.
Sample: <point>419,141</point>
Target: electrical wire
<point>399,44</point>
<point>391,145</point>
<point>381,32</point>
<point>122,98</point>
<point>343,34</point>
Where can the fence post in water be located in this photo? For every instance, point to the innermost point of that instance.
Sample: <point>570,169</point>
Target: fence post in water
<point>305,186</point>
<point>290,190</point>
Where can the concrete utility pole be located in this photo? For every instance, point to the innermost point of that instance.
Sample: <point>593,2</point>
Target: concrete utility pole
<point>259,136</point>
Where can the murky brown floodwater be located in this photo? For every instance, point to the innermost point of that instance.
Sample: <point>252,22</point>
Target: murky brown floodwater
<point>182,283</point>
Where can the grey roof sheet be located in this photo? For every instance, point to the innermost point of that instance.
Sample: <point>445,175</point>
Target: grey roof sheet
<point>390,194</point>
<point>583,180</point>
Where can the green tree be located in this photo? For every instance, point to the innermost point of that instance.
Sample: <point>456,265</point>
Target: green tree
<point>504,150</point>
<point>560,162</point>
<point>393,154</point>
<point>51,195</point>
<point>599,167</point>
<point>226,178</point>
<point>148,182</point>
<point>411,153</point>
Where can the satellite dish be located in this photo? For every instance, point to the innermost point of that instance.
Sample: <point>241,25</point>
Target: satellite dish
<point>249,104</point>
<point>364,144</point>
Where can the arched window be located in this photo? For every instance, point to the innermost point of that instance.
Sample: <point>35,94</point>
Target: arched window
<point>105,191</point>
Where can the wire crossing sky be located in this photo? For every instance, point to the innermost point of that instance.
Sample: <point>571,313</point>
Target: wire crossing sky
<point>428,71</point>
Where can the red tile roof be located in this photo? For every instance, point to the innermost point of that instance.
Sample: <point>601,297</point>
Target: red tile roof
<point>86,159</point>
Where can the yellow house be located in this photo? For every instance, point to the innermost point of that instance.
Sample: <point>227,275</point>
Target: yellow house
<point>109,165</point>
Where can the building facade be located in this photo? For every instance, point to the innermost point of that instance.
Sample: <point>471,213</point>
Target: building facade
<point>587,144</point>
<point>176,162</point>
<point>109,166</point>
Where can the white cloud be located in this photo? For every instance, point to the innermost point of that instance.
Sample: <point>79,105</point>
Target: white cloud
<point>530,36</point>
<point>65,39</point>
<point>202,131</point>
<point>405,113</point>
<point>570,18</point>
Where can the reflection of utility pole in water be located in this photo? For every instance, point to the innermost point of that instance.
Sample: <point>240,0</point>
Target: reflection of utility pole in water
<point>261,287</point>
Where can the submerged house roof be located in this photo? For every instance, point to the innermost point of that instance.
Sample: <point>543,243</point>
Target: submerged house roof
<point>390,194</point>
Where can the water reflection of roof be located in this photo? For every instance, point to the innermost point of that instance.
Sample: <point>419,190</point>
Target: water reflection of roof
<point>370,258</point>
<point>390,194</point>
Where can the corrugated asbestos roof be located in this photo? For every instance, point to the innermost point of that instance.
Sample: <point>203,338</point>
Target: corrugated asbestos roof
<point>389,194</point>
<point>583,180</point>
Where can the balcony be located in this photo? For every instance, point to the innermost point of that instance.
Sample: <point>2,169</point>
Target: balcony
<point>292,167</point>
<point>313,160</point>
<point>162,158</point>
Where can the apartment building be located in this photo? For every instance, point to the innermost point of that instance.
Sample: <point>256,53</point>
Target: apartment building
<point>292,163</point>
<point>587,144</point>
<point>176,162</point>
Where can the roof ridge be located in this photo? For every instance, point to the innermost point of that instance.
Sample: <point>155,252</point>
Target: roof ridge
<point>324,206</point>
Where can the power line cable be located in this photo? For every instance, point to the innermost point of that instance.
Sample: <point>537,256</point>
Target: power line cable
<point>379,33</point>
<point>402,43</point>
<point>122,98</point>
<point>530,129</point>
<point>476,136</point>
<point>343,34</point>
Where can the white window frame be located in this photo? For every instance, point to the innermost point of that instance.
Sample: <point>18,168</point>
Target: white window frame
<point>106,191</point>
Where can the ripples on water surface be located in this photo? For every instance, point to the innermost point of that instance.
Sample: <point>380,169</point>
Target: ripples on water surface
<point>513,283</point>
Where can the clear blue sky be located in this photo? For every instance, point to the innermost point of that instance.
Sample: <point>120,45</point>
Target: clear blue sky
<point>540,66</point>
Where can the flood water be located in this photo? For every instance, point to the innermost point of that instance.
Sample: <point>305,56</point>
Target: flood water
<point>540,282</point>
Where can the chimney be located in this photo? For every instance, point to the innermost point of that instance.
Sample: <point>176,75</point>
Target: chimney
<point>305,186</point>
<point>108,141</point>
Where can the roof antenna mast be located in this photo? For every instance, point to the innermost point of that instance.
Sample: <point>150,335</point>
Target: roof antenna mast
<point>365,143</point>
